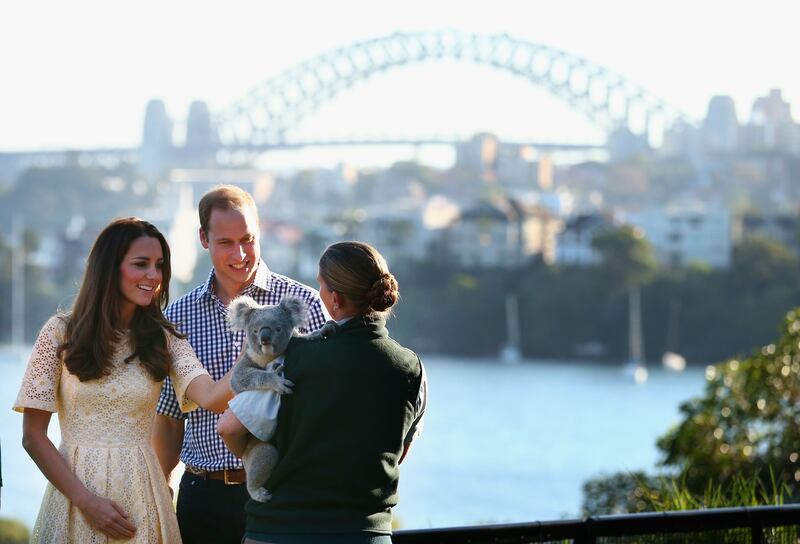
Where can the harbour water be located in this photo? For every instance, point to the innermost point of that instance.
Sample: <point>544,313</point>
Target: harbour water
<point>502,443</point>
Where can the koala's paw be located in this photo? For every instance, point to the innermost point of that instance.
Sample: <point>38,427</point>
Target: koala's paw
<point>277,368</point>
<point>327,329</point>
<point>269,381</point>
<point>261,495</point>
<point>283,385</point>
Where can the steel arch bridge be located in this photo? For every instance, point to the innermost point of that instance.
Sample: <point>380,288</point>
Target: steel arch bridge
<point>263,118</point>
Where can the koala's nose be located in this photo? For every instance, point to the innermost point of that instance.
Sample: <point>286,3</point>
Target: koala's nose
<point>266,334</point>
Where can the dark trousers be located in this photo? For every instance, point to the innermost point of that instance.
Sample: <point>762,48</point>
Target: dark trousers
<point>210,512</point>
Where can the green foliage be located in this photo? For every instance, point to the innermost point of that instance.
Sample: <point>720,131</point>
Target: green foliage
<point>564,310</point>
<point>54,195</point>
<point>566,313</point>
<point>582,312</point>
<point>670,176</point>
<point>619,493</point>
<point>737,445</point>
<point>673,494</point>
<point>410,170</point>
<point>747,420</point>
<point>632,492</point>
<point>626,255</point>
<point>13,532</point>
<point>759,263</point>
<point>431,298</point>
<point>42,295</point>
<point>717,316</point>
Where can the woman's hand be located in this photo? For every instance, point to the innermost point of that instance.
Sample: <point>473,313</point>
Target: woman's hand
<point>102,514</point>
<point>107,516</point>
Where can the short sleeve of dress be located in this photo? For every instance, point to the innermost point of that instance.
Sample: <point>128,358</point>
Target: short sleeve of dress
<point>185,368</point>
<point>40,383</point>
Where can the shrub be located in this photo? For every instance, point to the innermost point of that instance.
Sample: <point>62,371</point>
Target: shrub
<point>746,423</point>
<point>13,532</point>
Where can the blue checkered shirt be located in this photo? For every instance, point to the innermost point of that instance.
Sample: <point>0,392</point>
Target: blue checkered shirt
<point>202,317</point>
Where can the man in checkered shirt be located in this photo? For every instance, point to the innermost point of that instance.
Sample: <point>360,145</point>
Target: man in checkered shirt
<point>212,496</point>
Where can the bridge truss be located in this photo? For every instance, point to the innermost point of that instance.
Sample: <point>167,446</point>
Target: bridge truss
<point>266,116</point>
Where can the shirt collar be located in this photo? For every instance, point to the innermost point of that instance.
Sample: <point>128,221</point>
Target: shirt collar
<point>375,322</point>
<point>262,281</point>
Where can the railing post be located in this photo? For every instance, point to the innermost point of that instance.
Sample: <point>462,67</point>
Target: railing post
<point>586,536</point>
<point>756,534</point>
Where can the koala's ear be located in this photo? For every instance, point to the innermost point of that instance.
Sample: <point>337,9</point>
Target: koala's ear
<point>296,308</point>
<point>239,312</point>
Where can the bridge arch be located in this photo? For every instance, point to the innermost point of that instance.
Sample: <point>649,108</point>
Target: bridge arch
<point>265,115</point>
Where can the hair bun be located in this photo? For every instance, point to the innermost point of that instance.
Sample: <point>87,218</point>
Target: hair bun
<point>383,294</point>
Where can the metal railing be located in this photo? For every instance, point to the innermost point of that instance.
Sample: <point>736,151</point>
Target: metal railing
<point>743,525</point>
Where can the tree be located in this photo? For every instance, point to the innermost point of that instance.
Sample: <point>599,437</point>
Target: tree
<point>628,260</point>
<point>13,532</point>
<point>626,256</point>
<point>747,421</point>
<point>737,443</point>
<point>759,263</point>
<point>50,197</point>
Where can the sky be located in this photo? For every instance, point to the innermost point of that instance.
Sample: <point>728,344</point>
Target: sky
<point>78,74</point>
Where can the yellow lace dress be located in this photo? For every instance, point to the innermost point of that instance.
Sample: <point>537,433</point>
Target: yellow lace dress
<point>105,438</point>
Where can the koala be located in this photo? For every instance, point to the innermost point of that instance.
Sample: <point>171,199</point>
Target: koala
<point>268,330</point>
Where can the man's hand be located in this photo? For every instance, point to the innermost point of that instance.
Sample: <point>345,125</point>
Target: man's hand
<point>167,440</point>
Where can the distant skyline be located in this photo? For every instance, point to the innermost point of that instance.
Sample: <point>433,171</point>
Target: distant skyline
<point>79,74</point>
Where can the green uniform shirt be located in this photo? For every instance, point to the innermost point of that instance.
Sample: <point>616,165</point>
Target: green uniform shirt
<point>340,433</point>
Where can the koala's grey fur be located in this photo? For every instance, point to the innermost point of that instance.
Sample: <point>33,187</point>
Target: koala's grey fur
<point>268,330</point>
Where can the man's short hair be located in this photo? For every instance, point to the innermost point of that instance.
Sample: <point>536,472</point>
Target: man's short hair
<point>223,197</point>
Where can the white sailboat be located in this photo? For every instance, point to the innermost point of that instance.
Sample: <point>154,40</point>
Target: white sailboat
<point>635,368</point>
<point>510,353</point>
<point>18,258</point>
<point>672,360</point>
<point>18,281</point>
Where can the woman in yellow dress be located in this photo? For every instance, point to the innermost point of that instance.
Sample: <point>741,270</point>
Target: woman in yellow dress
<point>101,367</point>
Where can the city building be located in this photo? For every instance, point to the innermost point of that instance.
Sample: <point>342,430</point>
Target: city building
<point>200,148</point>
<point>720,131</point>
<point>687,233</point>
<point>574,243</point>
<point>479,153</point>
<point>313,195</point>
<point>682,139</point>
<point>294,249</point>
<point>783,228</point>
<point>503,232</point>
<point>771,127</point>
<point>623,144</point>
<point>518,171</point>
<point>516,168</point>
<point>398,234</point>
<point>155,150</point>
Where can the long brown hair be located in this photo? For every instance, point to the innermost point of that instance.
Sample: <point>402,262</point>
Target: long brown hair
<point>360,273</point>
<point>93,328</point>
